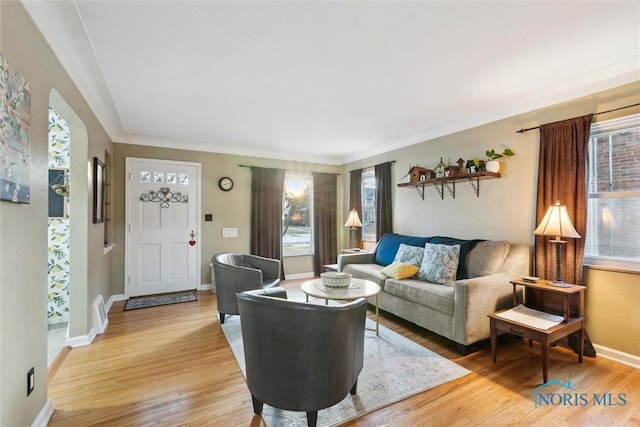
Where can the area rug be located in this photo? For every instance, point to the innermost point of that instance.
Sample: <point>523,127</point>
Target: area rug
<point>156,300</point>
<point>395,368</point>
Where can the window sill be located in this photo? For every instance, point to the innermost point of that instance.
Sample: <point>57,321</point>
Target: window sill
<point>612,265</point>
<point>297,255</point>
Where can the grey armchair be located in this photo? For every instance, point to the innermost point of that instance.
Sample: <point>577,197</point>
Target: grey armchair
<point>236,272</point>
<point>300,356</point>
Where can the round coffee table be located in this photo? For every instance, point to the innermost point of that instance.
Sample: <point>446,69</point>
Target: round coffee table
<point>358,288</point>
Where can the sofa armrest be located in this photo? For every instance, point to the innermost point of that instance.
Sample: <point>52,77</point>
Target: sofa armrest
<point>359,258</point>
<point>474,299</point>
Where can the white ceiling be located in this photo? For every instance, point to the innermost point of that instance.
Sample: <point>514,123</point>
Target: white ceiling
<point>331,82</point>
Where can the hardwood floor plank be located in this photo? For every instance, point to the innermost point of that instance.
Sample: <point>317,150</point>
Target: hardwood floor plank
<point>172,365</point>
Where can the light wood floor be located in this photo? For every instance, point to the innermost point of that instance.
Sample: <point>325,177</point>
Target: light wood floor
<point>171,366</point>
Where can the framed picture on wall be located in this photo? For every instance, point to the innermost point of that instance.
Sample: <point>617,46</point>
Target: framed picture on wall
<point>98,191</point>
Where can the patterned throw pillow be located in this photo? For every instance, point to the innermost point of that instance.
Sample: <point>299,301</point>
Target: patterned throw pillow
<point>400,270</point>
<point>409,254</point>
<point>439,263</point>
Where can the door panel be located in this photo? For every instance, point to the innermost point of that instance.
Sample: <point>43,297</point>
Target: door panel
<point>162,213</point>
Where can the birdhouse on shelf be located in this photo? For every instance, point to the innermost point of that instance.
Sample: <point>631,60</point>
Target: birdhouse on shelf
<point>440,169</point>
<point>417,174</point>
<point>461,166</point>
<point>452,170</point>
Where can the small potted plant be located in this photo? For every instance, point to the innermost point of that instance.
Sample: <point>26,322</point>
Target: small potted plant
<point>493,165</point>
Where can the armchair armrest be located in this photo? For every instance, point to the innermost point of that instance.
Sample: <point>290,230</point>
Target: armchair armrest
<point>268,266</point>
<point>359,258</point>
<point>270,292</point>
<point>474,299</point>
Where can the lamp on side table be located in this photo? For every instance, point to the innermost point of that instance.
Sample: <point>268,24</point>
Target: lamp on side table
<point>556,223</point>
<point>353,222</point>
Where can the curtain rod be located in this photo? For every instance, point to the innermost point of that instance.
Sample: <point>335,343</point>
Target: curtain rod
<point>368,167</point>
<point>595,114</point>
<point>286,170</point>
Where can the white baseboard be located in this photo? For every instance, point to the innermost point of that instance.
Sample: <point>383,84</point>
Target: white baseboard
<point>114,298</point>
<point>82,340</point>
<point>44,416</point>
<point>299,276</point>
<point>204,287</point>
<point>618,356</point>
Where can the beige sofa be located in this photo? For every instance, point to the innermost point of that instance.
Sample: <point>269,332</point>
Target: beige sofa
<point>457,311</point>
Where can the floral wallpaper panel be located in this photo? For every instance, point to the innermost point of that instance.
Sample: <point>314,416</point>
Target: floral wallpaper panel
<point>58,269</point>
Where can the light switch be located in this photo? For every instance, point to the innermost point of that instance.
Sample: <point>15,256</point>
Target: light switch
<point>229,232</point>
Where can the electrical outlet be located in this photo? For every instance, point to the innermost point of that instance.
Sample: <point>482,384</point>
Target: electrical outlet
<point>31,380</point>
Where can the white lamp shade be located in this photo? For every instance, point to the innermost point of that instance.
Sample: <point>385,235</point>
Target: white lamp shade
<point>556,222</point>
<point>353,220</point>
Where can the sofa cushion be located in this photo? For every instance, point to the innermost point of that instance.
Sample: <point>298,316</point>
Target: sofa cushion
<point>400,270</point>
<point>439,263</point>
<point>487,257</point>
<point>389,243</point>
<point>367,272</point>
<point>409,254</point>
<point>430,295</point>
<point>466,246</point>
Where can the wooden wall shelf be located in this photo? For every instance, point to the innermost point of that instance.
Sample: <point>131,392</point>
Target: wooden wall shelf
<point>450,183</point>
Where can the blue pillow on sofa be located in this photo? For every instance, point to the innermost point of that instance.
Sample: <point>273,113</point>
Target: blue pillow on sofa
<point>389,244</point>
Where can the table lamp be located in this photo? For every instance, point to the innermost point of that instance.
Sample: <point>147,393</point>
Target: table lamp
<point>353,221</point>
<point>556,223</point>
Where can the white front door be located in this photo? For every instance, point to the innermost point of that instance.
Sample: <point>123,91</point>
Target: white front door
<point>163,247</point>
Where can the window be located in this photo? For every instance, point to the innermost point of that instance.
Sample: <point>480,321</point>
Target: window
<point>297,218</point>
<point>368,205</point>
<point>613,218</point>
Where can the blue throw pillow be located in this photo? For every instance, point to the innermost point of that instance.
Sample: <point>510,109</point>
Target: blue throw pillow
<point>390,242</point>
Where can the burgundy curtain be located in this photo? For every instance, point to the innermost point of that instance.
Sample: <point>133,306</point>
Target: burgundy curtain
<point>267,188</point>
<point>325,235</point>
<point>384,205</point>
<point>355,202</point>
<point>562,175</point>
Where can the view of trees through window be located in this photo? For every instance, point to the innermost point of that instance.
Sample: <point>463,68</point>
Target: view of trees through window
<point>368,205</point>
<point>613,220</point>
<point>297,225</point>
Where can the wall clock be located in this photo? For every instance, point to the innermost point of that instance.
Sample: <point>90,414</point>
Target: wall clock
<point>225,183</point>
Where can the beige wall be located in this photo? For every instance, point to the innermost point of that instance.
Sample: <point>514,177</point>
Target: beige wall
<point>506,206</point>
<point>229,209</point>
<point>23,228</point>
<point>613,309</point>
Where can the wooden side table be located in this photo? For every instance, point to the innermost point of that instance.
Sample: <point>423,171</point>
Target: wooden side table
<point>567,302</point>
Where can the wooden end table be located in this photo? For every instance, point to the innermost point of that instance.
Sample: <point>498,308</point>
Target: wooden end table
<point>567,302</point>
<point>359,288</point>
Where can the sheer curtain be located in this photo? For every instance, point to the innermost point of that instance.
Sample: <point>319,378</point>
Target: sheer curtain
<point>384,205</point>
<point>325,235</point>
<point>562,176</point>
<point>355,202</point>
<point>267,187</point>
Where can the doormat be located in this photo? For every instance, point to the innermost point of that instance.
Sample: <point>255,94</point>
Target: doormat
<point>156,300</point>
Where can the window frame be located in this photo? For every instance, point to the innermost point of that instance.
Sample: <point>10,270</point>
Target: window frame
<point>304,176</point>
<point>598,130</point>
<point>368,174</point>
